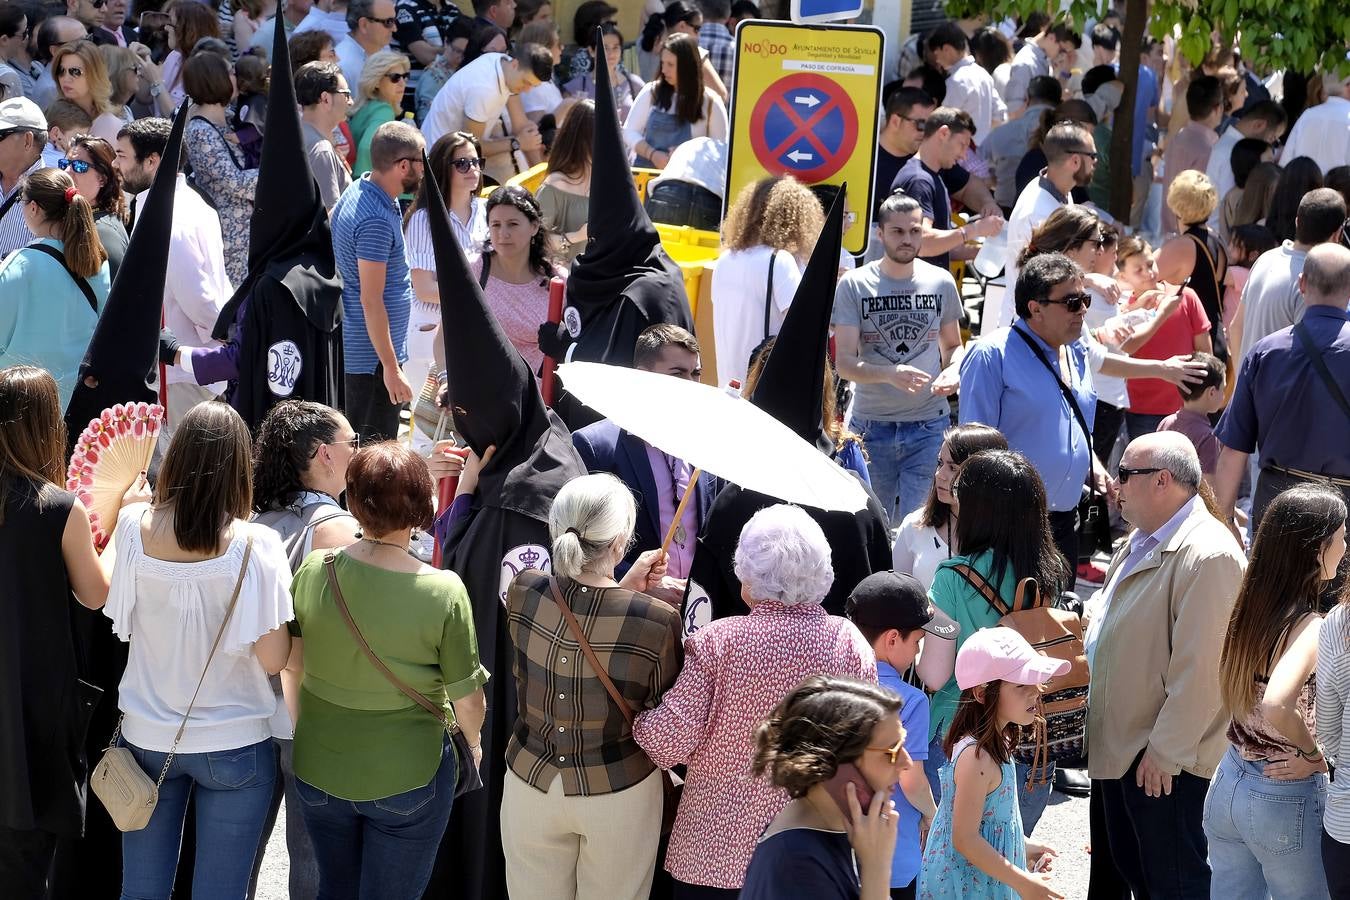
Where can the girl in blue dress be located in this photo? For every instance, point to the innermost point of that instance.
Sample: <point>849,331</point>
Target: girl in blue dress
<point>975,847</point>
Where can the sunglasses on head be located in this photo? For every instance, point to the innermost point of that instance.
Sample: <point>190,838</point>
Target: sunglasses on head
<point>1076,302</point>
<point>467,164</point>
<point>1126,473</point>
<point>73,72</point>
<point>396,77</point>
<point>78,166</point>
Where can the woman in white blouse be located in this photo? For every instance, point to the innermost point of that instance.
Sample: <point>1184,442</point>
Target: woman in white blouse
<point>178,561</point>
<point>673,108</point>
<point>456,161</point>
<point>926,536</point>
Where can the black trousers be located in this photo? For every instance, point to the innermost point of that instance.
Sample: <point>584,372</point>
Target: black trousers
<point>1336,864</point>
<point>368,408</point>
<point>25,862</point>
<point>1104,879</point>
<point>686,891</point>
<point>1064,529</point>
<point>682,203</point>
<point>1159,843</point>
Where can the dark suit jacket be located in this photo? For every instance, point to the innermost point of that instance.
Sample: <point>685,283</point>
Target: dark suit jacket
<point>605,447</point>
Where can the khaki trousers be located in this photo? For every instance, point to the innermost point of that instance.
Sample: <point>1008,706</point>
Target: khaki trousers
<point>580,848</point>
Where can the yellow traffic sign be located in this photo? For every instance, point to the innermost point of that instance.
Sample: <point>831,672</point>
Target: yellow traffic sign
<point>806,104</point>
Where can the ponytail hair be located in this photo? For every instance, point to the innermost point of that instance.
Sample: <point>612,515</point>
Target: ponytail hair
<point>588,518</point>
<point>54,193</point>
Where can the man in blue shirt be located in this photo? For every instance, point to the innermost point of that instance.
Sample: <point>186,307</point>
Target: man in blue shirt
<point>893,612</point>
<point>1019,380</point>
<point>376,289</point>
<point>1280,393</point>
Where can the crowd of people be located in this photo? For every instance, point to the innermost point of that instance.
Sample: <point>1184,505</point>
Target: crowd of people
<point>386,574</point>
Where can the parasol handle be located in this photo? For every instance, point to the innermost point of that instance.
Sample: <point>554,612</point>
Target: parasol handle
<point>555,312</point>
<point>679,510</point>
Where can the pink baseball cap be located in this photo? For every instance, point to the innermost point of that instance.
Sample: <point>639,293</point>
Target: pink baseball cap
<point>1001,654</point>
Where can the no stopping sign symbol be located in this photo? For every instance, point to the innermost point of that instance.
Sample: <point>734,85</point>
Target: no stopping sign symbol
<point>804,125</point>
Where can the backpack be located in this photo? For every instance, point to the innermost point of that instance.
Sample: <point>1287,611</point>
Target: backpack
<point>1057,633</point>
<point>294,525</point>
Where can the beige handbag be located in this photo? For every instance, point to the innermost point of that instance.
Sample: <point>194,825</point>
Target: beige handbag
<point>118,780</point>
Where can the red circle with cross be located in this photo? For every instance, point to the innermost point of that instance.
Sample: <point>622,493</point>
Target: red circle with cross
<point>804,125</point>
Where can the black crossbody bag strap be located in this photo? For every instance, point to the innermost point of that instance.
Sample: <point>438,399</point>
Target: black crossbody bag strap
<point>768,292</point>
<point>484,268</point>
<point>9,203</point>
<point>60,257</point>
<point>1063,389</point>
<point>1315,357</point>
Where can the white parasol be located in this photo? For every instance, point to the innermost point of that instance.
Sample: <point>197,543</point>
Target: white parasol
<point>717,432</point>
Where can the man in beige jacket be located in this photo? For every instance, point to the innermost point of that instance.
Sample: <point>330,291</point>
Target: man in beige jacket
<point>1155,725</point>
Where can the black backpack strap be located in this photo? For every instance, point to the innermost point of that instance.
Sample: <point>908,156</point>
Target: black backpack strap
<point>60,257</point>
<point>484,267</point>
<point>982,587</point>
<point>1320,364</point>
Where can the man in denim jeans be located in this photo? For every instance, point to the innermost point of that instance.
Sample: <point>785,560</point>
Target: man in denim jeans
<point>897,337</point>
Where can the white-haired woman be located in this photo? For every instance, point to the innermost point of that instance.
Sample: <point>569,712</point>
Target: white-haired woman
<point>735,671</point>
<point>581,814</point>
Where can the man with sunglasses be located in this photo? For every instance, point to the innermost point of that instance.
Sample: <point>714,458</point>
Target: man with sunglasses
<point>372,24</point>
<point>1154,636</point>
<point>89,13</point>
<point>1033,382</point>
<point>23,132</point>
<point>324,100</point>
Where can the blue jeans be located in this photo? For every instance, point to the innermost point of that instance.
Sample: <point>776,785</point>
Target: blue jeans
<point>1264,835</point>
<point>378,849</point>
<point>933,765</point>
<point>902,459</point>
<point>232,791</point>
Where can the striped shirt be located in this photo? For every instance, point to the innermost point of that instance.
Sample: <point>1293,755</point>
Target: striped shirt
<point>471,235</point>
<point>567,725</point>
<point>366,225</point>
<point>14,231</point>
<point>1333,711</point>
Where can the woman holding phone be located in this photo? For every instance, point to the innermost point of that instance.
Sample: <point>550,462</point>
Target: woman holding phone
<point>735,670</point>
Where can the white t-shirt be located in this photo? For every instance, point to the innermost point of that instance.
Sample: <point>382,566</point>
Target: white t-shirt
<point>1034,206</point>
<point>971,88</point>
<point>739,288</point>
<point>700,161</point>
<point>170,613</point>
<point>1220,169</point>
<point>544,98</point>
<point>713,123</point>
<point>1323,134</point>
<point>477,91</point>
<point>918,549</point>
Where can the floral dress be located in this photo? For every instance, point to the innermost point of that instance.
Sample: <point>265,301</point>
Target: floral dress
<point>218,169</point>
<point>946,874</point>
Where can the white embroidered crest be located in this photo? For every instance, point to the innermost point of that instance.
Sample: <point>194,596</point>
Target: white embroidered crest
<point>518,559</point>
<point>283,367</point>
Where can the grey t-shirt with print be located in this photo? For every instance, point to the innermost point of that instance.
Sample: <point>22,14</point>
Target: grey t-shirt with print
<point>898,322</point>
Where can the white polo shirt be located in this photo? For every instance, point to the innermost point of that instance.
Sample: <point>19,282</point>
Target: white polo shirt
<point>477,91</point>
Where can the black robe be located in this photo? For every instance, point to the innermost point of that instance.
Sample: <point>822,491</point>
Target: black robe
<point>293,315</point>
<point>860,544</point>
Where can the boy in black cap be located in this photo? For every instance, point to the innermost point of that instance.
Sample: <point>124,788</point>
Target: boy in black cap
<point>893,612</point>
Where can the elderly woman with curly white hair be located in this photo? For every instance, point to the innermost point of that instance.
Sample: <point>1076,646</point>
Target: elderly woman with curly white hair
<point>735,671</point>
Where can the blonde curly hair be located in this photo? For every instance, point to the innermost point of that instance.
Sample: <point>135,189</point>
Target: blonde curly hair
<point>781,213</point>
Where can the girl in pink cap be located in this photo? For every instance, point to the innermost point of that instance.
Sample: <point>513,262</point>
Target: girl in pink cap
<point>976,847</point>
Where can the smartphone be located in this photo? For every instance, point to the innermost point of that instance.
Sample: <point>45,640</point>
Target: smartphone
<point>846,774</point>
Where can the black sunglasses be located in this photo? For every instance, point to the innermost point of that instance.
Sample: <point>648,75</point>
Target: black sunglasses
<point>1072,302</point>
<point>1090,154</point>
<point>390,22</point>
<point>78,166</point>
<point>396,77</point>
<point>466,164</point>
<point>73,71</point>
<point>1126,473</point>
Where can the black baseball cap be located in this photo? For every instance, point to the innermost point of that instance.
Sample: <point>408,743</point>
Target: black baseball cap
<point>895,600</point>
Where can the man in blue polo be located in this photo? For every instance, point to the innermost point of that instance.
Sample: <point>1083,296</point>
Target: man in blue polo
<point>1020,380</point>
<point>376,288</point>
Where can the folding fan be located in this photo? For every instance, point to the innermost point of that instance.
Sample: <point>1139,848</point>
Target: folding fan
<point>111,452</point>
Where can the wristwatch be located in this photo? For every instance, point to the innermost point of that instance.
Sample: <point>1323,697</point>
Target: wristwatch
<point>156,89</point>
<point>515,145</point>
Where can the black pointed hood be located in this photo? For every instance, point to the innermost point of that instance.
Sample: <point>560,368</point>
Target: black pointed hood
<point>123,354</point>
<point>624,254</point>
<point>792,384</point>
<point>289,224</point>
<point>494,397</point>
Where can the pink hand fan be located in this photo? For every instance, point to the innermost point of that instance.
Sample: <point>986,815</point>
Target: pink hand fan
<point>111,452</point>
